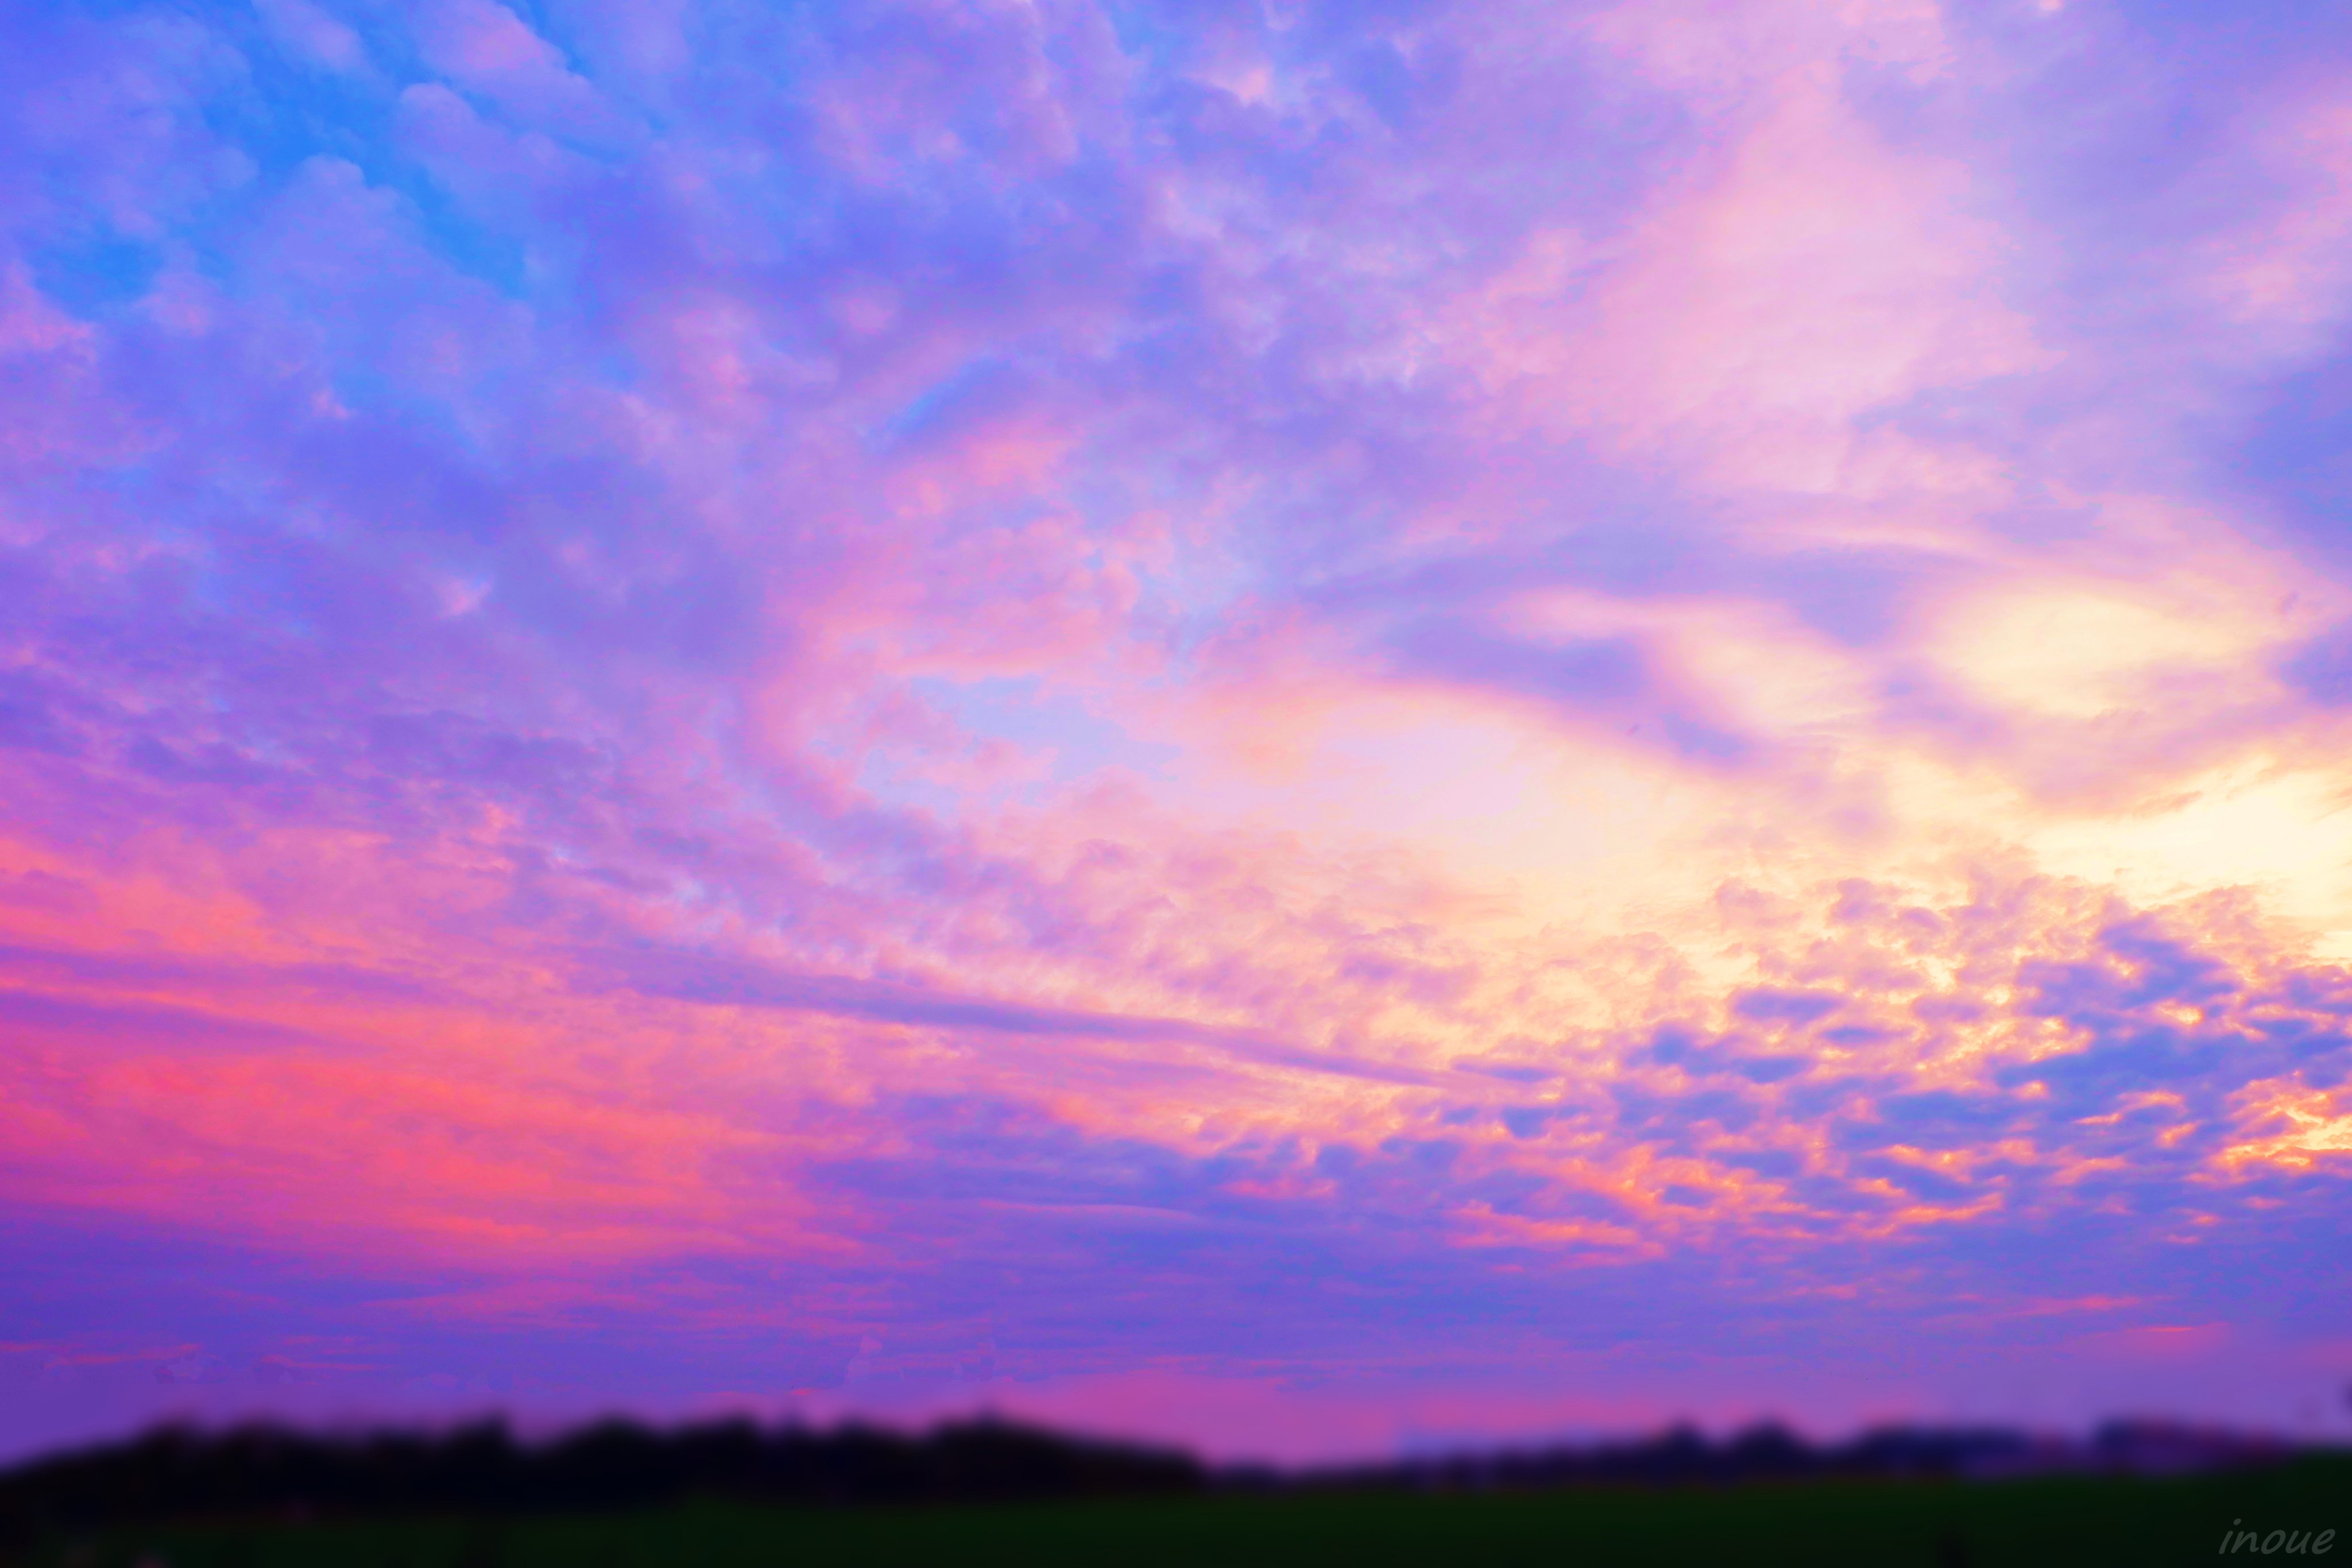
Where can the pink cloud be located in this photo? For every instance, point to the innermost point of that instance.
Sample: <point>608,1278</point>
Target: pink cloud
<point>489,50</point>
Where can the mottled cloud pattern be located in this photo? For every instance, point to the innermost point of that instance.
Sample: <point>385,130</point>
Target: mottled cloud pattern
<point>1304,725</point>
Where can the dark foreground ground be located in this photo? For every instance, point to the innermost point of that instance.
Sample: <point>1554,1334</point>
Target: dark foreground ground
<point>2079,1521</point>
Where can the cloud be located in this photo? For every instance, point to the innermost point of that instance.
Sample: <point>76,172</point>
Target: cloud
<point>1169,687</point>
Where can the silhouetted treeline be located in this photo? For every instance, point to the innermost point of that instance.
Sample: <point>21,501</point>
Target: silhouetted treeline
<point>1685,1457</point>
<point>176,1473</point>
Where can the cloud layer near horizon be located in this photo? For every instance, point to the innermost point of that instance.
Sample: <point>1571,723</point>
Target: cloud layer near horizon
<point>1412,695</point>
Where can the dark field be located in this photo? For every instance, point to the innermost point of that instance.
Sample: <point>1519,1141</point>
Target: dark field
<point>2075,1521</point>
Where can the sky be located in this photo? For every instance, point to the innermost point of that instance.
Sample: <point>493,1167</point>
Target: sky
<point>1316,727</point>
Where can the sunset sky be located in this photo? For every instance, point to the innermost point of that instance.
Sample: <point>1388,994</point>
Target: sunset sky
<point>1302,725</point>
